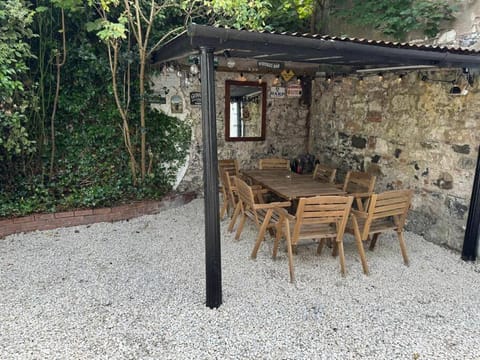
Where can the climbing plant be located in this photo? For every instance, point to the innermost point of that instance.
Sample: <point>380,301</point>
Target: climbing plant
<point>398,18</point>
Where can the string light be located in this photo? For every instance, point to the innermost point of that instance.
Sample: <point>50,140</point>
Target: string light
<point>276,81</point>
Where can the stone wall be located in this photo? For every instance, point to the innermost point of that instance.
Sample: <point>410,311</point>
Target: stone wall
<point>285,126</point>
<point>411,134</point>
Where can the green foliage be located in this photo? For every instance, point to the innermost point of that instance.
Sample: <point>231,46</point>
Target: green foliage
<point>91,161</point>
<point>397,18</point>
<point>15,99</point>
<point>239,13</point>
<point>93,171</point>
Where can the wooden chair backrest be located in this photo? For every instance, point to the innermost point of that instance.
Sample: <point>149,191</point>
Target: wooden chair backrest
<point>274,163</point>
<point>387,211</point>
<point>230,165</point>
<point>324,173</point>
<point>247,199</point>
<point>359,182</point>
<point>315,214</point>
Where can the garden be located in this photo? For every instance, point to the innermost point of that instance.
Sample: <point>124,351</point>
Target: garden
<point>76,126</point>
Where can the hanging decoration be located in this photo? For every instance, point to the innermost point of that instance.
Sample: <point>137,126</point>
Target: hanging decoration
<point>176,104</point>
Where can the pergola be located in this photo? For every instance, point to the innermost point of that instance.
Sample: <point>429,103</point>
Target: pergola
<point>350,53</point>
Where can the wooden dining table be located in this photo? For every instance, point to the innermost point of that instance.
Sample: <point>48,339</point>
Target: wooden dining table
<point>289,185</point>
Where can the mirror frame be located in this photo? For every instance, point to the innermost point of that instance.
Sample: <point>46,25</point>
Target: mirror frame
<point>263,87</point>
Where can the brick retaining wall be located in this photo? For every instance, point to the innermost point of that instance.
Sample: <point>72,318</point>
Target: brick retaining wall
<point>90,216</point>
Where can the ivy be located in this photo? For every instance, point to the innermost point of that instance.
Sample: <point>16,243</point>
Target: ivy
<point>398,18</point>
<point>15,22</point>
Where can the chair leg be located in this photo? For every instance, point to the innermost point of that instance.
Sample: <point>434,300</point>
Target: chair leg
<point>278,236</point>
<point>223,210</point>
<point>234,217</point>
<point>335,249</point>
<point>240,227</point>
<point>290,255</point>
<point>403,247</point>
<point>373,241</point>
<point>358,241</point>
<point>320,246</point>
<point>341,256</point>
<point>261,233</point>
<point>361,251</point>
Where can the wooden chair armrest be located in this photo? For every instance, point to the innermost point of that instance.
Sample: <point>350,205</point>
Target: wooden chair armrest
<point>259,189</point>
<point>284,213</point>
<point>273,205</point>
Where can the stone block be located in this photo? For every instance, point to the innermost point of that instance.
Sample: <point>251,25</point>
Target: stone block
<point>374,116</point>
<point>445,181</point>
<point>420,221</point>
<point>457,207</point>
<point>359,142</point>
<point>447,37</point>
<point>461,149</point>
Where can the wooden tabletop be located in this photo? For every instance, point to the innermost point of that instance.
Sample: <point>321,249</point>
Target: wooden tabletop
<point>291,186</point>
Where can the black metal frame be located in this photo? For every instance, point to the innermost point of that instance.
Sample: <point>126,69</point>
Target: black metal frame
<point>470,242</point>
<point>213,267</point>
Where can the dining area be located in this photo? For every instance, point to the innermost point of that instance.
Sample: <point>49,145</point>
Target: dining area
<point>294,210</point>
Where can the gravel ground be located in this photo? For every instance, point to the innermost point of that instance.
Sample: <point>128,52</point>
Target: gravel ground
<point>136,290</point>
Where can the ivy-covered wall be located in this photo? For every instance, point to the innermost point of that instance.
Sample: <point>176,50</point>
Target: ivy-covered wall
<point>409,133</point>
<point>285,126</point>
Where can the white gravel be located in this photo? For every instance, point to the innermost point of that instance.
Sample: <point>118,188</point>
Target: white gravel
<point>136,290</point>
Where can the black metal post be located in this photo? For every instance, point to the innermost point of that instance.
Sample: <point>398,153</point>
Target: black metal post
<point>210,180</point>
<point>470,242</point>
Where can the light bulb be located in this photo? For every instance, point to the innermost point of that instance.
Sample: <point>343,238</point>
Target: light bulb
<point>231,63</point>
<point>194,69</point>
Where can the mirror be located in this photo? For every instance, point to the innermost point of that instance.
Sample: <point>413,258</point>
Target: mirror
<point>245,104</point>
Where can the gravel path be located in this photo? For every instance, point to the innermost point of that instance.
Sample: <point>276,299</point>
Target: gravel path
<point>136,290</point>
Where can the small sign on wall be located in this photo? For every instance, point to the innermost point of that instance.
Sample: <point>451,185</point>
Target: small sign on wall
<point>176,104</point>
<point>277,92</point>
<point>287,74</point>
<point>269,65</point>
<point>294,91</point>
<point>195,98</point>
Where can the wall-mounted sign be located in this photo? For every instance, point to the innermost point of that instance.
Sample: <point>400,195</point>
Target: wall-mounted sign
<point>176,104</point>
<point>277,92</point>
<point>156,99</point>
<point>294,90</point>
<point>287,74</point>
<point>269,65</point>
<point>195,98</point>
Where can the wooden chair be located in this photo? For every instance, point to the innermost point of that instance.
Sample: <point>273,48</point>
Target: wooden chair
<point>324,173</point>
<point>274,163</point>
<point>261,214</point>
<point>228,193</point>
<point>230,166</point>
<point>360,185</point>
<point>319,217</point>
<point>386,212</point>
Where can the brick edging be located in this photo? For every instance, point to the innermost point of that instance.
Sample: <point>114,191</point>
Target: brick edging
<point>90,216</point>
